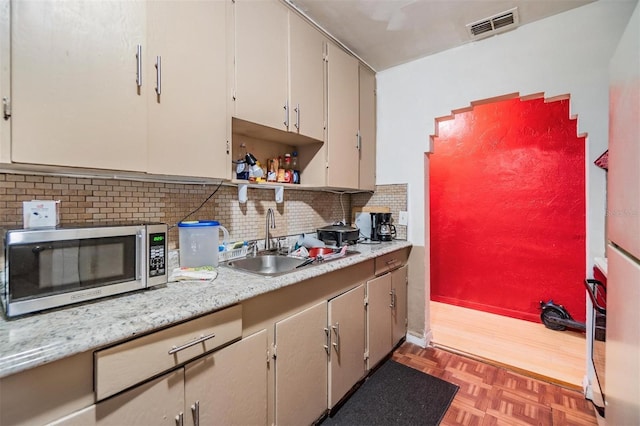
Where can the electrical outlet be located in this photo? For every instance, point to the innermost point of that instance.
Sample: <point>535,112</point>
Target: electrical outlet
<point>403,219</point>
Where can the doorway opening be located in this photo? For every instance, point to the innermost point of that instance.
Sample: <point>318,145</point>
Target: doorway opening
<point>507,217</point>
<point>507,208</point>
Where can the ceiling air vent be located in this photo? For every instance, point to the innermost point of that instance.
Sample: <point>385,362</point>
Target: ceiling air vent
<point>494,24</point>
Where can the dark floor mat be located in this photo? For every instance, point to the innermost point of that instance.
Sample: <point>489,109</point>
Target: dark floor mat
<point>396,395</point>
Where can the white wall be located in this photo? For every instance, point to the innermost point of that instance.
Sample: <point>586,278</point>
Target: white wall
<point>564,54</point>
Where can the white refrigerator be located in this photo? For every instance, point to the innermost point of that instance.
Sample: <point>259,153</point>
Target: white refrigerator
<point>622,366</point>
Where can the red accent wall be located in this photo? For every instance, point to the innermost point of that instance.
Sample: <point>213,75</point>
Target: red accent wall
<point>507,197</point>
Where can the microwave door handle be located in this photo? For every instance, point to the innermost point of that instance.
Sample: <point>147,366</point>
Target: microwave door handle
<point>140,249</point>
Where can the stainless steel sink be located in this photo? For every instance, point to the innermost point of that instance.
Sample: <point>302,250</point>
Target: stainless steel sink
<point>272,265</point>
<point>267,264</point>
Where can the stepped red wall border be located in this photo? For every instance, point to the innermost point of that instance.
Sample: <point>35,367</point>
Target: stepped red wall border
<point>507,200</point>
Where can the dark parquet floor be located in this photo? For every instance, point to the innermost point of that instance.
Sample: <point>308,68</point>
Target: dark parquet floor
<point>490,395</point>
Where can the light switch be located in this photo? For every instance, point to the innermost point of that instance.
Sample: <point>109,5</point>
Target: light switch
<point>403,218</point>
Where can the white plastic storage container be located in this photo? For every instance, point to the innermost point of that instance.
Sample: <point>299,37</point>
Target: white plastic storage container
<point>199,243</point>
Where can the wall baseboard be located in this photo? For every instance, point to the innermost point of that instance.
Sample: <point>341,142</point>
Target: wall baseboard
<point>422,341</point>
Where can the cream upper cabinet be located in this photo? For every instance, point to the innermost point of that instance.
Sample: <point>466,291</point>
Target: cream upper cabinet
<point>76,95</point>
<point>261,39</point>
<point>367,86</point>
<point>186,84</point>
<point>343,116</point>
<point>121,85</point>
<point>306,78</point>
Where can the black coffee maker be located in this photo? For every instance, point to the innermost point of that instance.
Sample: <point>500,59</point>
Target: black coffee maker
<point>381,227</point>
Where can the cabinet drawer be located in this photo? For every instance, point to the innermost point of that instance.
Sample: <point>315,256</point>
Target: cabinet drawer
<point>124,365</point>
<point>390,261</point>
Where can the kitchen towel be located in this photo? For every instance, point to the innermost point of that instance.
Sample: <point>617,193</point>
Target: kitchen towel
<point>200,273</point>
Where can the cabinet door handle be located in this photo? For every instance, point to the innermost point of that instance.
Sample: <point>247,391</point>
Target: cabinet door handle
<point>159,75</point>
<point>6,108</point>
<point>175,349</point>
<point>139,66</point>
<point>297,117</point>
<point>195,410</point>
<point>336,329</point>
<point>392,293</point>
<point>328,335</point>
<point>180,419</point>
<point>286,114</point>
<point>358,141</point>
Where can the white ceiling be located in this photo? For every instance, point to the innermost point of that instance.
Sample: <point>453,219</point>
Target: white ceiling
<point>385,33</point>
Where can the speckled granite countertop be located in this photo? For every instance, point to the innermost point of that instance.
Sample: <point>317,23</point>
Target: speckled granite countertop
<point>45,337</point>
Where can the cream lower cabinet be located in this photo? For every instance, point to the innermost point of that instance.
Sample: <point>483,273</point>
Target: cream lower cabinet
<point>386,313</point>
<point>319,357</point>
<point>301,367</point>
<point>347,341</point>
<point>158,402</point>
<point>227,387</point>
<point>399,284</point>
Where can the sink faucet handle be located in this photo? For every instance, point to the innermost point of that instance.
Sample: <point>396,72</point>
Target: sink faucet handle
<point>283,247</point>
<point>252,248</point>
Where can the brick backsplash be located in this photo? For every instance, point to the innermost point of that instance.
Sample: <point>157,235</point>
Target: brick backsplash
<point>113,200</point>
<point>392,196</point>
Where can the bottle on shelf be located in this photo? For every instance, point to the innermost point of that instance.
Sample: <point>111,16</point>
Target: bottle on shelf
<point>242,169</point>
<point>272,174</point>
<point>287,168</point>
<point>295,171</point>
<point>280,178</point>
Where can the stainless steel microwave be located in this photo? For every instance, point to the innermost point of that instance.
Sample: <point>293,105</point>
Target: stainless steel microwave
<point>47,268</point>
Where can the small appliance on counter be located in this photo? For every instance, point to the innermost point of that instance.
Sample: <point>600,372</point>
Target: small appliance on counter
<point>199,242</point>
<point>51,267</point>
<point>381,227</point>
<point>338,235</point>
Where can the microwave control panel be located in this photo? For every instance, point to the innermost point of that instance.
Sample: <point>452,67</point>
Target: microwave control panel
<point>157,254</point>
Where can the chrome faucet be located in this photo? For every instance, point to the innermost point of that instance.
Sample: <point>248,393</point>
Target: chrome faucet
<point>270,218</point>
